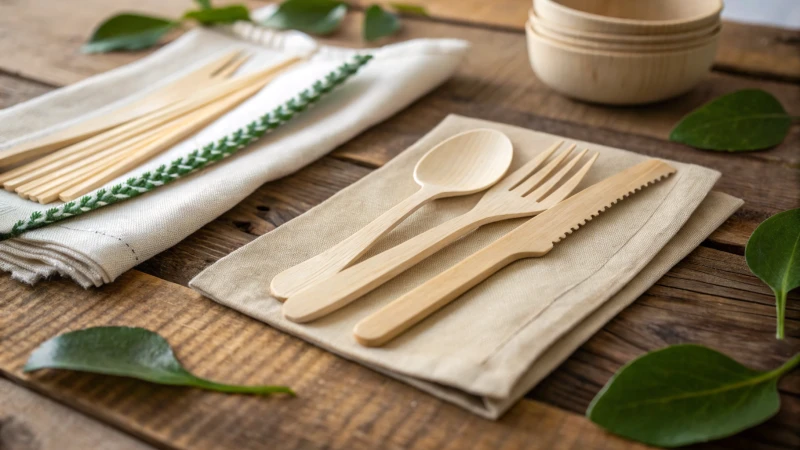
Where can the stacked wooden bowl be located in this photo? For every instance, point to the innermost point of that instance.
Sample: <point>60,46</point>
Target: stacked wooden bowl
<point>623,52</point>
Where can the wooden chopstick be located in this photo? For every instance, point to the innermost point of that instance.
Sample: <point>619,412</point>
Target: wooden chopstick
<point>21,175</point>
<point>52,172</point>
<point>85,167</point>
<point>189,125</point>
<point>151,102</point>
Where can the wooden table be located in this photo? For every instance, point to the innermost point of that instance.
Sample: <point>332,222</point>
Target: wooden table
<point>709,298</point>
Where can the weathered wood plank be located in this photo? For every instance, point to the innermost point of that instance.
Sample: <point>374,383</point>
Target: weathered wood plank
<point>339,405</point>
<point>496,74</point>
<point>15,90</point>
<point>744,48</point>
<point>29,421</point>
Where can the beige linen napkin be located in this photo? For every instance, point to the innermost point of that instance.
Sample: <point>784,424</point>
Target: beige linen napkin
<point>494,343</point>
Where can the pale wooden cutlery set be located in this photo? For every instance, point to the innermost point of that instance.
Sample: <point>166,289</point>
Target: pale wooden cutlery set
<point>464,164</point>
<point>83,157</point>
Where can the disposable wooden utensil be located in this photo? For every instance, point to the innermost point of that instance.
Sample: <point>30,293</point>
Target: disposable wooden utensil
<point>463,164</point>
<point>208,75</point>
<point>84,165</point>
<point>24,174</point>
<point>528,191</point>
<point>188,125</point>
<point>48,188</point>
<point>533,239</point>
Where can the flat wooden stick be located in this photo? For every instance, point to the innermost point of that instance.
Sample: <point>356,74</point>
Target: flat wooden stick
<point>195,121</point>
<point>150,102</point>
<point>85,168</point>
<point>14,178</point>
<point>51,173</point>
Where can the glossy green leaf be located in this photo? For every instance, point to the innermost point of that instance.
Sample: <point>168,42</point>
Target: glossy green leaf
<point>227,14</point>
<point>128,32</point>
<point>312,16</point>
<point>409,9</point>
<point>379,23</point>
<point>127,352</point>
<point>203,4</point>
<point>745,120</point>
<point>773,254</point>
<point>685,394</point>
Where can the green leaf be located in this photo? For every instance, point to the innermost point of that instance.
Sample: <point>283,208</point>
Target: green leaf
<point>684,394</point>
<point>127,352</point>
<point>379,23</point>
<point>225,14</point>
<point>128,32</point>
<point>773,254</point>
<point>745,120</point>
<point>409,9</point>
<point>203,4</point>
<point>312,16</point>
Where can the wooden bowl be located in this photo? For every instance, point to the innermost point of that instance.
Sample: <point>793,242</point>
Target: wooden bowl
<point>618,78</point>
<point>622,38</point>
<point>633,17</point>
<point>622,47</point>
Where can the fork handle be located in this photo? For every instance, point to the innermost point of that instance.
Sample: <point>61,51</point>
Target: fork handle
<point>408,310</point>
<point>338,257</point>
<point>341,289</point>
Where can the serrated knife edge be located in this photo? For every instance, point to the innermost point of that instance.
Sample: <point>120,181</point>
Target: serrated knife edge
<point>556,223</point>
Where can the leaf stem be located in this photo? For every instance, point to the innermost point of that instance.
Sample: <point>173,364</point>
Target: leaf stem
<point>787,366</point>
<point>236,389</point>
<point>780,306</point>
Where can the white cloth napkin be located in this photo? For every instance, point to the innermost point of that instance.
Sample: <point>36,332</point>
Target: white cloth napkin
<point>96,248</point>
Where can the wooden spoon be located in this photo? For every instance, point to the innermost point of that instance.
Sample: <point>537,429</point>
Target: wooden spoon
<point>464,164</point>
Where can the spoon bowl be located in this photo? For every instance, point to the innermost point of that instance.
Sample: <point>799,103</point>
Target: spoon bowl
<point>466,163</point>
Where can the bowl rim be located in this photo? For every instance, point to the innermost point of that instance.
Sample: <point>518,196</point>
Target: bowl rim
<point>590,45</point>
<point>626,38</point>
<point>637,22</point>
<point>531,33</point>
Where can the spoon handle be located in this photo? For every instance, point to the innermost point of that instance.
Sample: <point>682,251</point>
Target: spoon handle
<point>341,289</point>
<point>331,261</point>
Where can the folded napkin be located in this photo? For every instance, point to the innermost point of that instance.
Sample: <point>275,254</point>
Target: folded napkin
<point>494,343</point>
<point>97,247</point>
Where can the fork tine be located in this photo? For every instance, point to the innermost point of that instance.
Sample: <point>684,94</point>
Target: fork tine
<point>232,67</point>
<point>518,176</point>
<point>547,186</point>
<point>566,189</point>
<point>542,174</point>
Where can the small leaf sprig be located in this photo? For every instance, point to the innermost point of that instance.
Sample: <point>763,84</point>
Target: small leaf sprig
<point>133,31</point>
<point>773,255</point>
<point>128,352</point>
<point>195,160</point>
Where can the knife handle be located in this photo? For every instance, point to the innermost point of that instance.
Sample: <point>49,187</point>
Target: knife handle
<point>413,307</point>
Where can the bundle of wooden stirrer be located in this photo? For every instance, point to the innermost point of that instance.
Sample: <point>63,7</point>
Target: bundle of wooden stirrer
<point>91,153</point>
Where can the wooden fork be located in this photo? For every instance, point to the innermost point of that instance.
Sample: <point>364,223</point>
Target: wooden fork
<point>210,74</point>
<point>528,191</point>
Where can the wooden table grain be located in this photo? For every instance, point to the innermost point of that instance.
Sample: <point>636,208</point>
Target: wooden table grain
<point>709,298</point>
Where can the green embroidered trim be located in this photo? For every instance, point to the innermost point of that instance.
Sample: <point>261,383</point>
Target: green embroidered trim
<point>197,159</point>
